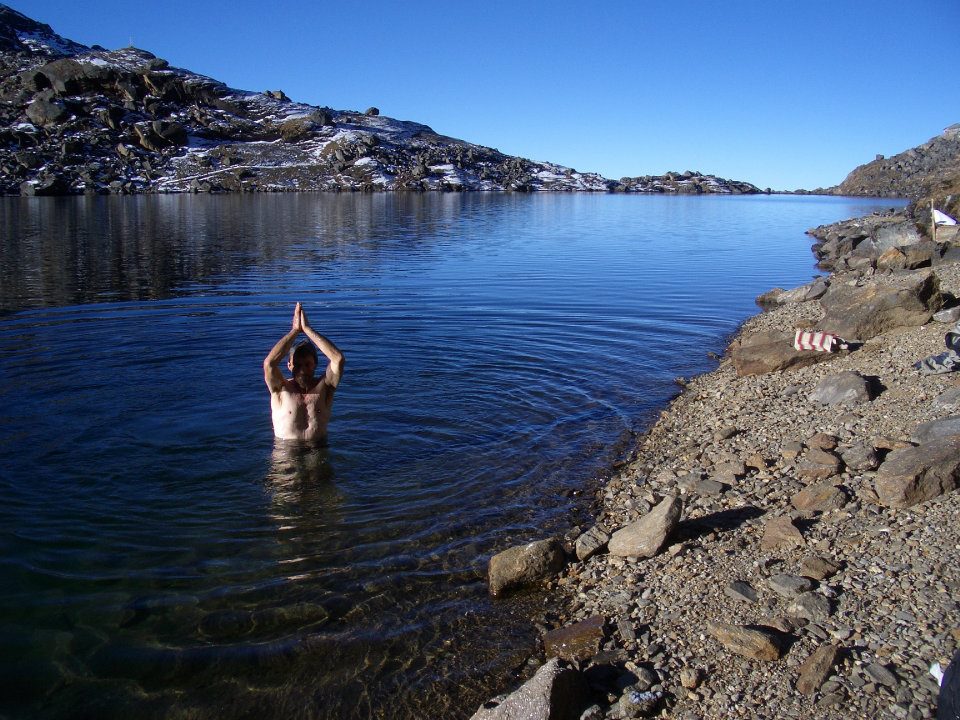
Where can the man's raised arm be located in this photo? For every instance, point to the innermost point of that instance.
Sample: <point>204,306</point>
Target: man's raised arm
<point>326,346</point>
<point>271,370</point>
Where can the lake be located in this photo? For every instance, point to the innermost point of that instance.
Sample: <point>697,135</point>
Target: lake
<point>163,557</point>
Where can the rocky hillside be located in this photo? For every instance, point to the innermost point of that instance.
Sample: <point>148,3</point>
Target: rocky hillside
<point>928,172</point>
<point>77,119</point>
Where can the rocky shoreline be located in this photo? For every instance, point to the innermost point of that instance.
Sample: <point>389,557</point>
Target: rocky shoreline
<point>811,569</point>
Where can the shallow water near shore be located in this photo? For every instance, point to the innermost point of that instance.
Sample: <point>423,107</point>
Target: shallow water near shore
<point>162,556</point>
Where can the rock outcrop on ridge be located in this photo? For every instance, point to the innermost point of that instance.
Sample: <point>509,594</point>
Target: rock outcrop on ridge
<point>930,171</point>
<point>77,119</point>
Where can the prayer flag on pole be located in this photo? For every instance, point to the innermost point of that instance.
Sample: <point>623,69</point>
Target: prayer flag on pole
<point>940,218</point>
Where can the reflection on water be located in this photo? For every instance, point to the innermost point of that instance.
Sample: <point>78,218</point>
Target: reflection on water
<point>162,556</point>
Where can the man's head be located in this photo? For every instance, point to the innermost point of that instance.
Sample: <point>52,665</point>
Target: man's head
<point>303,359</point>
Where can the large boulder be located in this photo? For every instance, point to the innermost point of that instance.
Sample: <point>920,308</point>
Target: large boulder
<point>916,474</point>
<point>555,692</point>
<point>863,312</point>
<point>69,77</point>
<point>44,112</point>
<point>525,564</point>
<point>770,350</point>
<point>646,536</point>
<point>846,388</point>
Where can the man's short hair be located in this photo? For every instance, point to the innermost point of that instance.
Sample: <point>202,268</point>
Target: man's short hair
<point>302,349</point>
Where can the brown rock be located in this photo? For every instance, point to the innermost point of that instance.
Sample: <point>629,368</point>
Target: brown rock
<point>579,641</point>
<point>525,564</point>
<point>768,351</point>
<point>818,568</point>
<point>916,474</point>
<point>817,667</point>
<point>822,441</point>
<point>754,642</point>
<point>821,497</point>
<point>819,465</point>
<point>780,532</point>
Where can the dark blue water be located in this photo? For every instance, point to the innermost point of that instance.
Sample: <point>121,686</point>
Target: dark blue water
<point>161,556</point>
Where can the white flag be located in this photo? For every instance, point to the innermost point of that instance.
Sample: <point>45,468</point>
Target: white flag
<point>940,218</point>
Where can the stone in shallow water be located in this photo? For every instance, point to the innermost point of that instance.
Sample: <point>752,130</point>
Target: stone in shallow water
<point>579,641</point>
<point>525,564</point>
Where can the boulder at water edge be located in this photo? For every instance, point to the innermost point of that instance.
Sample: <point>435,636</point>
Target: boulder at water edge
<point>646,536</point>
<point>770,350</point>
<point>556,692</point>
<point>525,564</point>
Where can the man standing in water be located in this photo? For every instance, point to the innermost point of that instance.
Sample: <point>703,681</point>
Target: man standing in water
<point>301,405</point>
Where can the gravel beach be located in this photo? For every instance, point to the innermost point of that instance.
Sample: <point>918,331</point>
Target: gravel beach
<point>787,590</point>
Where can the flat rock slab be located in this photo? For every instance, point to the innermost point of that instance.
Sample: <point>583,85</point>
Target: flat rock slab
<point>591,542</point>
<point>780,533</point>
<point>525,564</point>
<point>753,642</point>
<point>579,641</point>
<point>646,536</point>
<point>821,497</point>
<point>742,591</point>
<point>916,474</point>
<point>818,568</point>
<point>815,670</point>
<point>811,606</point>
<point>845,388</point>
<point>555,692</point>
<point>936,429</point>
<point>769,351</point>
<point>789,586</point>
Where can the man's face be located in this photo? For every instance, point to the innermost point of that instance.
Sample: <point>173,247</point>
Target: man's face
<point>303,366</point>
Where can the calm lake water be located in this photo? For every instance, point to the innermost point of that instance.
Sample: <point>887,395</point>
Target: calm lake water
<point>162,557</point>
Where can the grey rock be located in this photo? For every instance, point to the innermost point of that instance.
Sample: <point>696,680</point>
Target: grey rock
<point>525,564</point>
<point>555,692</point>
<point>591,542</point>
<point>948,315</point>
<point>741,590</point>
<point>861,457</point>
<point>948,401</point>
<point>937,429</point>
<point>636,703</point>
<point>769,351</point>
<point>848,387</point>
<point>646,536</point>
<point>811,606</point>
<point>881,675</point>
<point>789,586</point>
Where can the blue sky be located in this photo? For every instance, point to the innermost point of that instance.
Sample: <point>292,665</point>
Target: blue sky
<point>781,94</point>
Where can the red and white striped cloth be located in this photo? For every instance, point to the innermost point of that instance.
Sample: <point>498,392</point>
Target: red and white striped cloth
<point>814,340</point>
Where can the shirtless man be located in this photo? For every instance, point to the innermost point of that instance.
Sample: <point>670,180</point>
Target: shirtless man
<point>301,405</point>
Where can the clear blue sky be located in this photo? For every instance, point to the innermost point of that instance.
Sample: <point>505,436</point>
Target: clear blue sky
<point>784,94</point>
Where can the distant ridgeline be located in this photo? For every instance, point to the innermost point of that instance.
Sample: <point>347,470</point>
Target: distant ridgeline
<point>77,119</point>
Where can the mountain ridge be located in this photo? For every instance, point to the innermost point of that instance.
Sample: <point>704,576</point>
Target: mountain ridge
<point>78,119</point>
